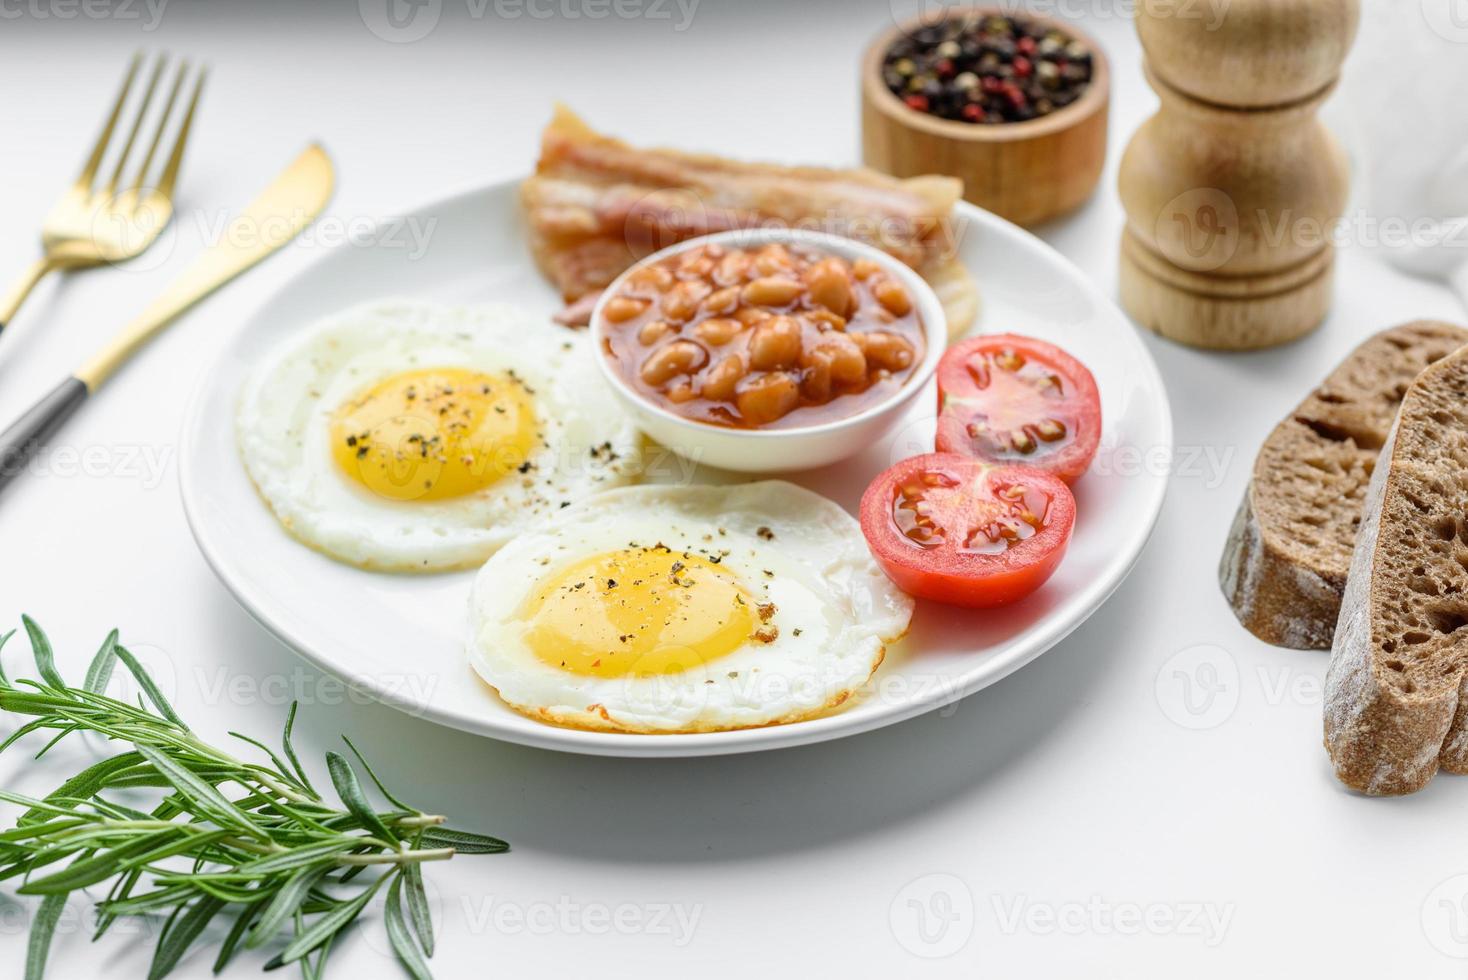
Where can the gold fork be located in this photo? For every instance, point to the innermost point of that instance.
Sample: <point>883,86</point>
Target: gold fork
<point>99,223</point>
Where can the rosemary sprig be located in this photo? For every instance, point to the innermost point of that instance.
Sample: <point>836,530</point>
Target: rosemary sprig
<point>223,837</point>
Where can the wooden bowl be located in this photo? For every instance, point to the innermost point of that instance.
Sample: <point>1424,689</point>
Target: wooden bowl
<point>1027,171</point>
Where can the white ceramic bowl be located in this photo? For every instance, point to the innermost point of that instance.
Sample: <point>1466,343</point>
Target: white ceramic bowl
<point>796,448</point>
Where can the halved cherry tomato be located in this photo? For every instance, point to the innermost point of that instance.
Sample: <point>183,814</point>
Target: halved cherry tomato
<point>958,530</point>
<point>1012,399</point>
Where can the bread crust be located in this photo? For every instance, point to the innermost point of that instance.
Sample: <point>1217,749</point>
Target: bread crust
<point>1379,742</point>
<point>1279,600</point>
<point>1395,710</point>
<point>1308,478</point>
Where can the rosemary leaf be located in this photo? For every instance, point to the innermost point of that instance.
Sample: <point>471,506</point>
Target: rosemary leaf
<point>464,842</point>
<point>4,639</point>
<point>98,867</point>
<point>85,783</point>
<point>24,730</point>
<point>100,672</point>
<point>253,841</point>
<point>402,941</point>
<point>344,778</point>
<point>290,751</point>
<point>298,857</point>
<point>42,929</point>
<point>236,932</point>
<point>199,792</point>
<point>418,910</point>
<point>314,969</point>
<point>329,924</point>
<point>286,903</point>
<point>175,941</point>
<point>373,776</point>
<point>145,681</point>
<point>41,650</point>
<point>275,760</point>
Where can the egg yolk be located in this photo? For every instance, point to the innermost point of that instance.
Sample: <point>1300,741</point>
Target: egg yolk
<point>639,611</point>
<point>434,434</point>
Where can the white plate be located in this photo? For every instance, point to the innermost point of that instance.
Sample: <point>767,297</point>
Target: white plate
<point>399,638</point>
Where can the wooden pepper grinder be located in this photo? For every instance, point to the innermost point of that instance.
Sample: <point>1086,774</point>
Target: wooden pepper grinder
<point>1232,190</point>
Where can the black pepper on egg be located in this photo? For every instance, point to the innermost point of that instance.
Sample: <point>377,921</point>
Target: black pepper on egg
<point>987,69</point>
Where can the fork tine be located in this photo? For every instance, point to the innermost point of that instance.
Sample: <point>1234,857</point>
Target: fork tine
<point>84,181</point>
<point>178,80</point>
<point>175,159</point>
<point>127,146</point>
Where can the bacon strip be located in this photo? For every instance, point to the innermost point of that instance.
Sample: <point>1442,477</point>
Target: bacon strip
<point>595,205</point>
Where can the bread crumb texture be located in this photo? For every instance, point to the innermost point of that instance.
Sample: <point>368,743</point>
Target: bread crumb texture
<point>1285,564</point>
<point>1395,710</point>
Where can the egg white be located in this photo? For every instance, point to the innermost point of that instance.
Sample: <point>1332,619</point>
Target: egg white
<point>834,609</point>
<point>585,441</point>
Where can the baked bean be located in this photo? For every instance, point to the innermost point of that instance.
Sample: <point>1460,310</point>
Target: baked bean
<point>826,320</point>
<point>848,363</point>
<point>893,297</point>
<point>772,260</point>
<point>767,397</point>
<point>731,269</point>
<point>671,360</point>
<point>886,350</point>
<point>620,309</point>
<point>659,277</point>
<point>746,336</point>
<point>815,380</point>
<point>653,331</point>
<point>722,301</point>
<point>695,264</point>
<point>681,302</point>
<point>717,331</point>
<point>772,291</point>
<point>720,380</point>
<point>829,286</point>
<point>775,344</point>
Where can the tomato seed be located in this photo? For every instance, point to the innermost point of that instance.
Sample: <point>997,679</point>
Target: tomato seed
<point>1051,429</point>
<point>1009,360</point>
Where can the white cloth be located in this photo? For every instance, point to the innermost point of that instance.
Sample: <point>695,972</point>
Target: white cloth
<point>1409,63</point>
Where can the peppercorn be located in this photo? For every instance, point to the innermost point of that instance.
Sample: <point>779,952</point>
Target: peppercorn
<point>989,69</point>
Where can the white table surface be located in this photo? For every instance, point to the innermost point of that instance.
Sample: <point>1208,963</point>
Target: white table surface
<point>1080,818</point>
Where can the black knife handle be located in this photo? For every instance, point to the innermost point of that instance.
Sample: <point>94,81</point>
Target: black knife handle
<point>19,442</point>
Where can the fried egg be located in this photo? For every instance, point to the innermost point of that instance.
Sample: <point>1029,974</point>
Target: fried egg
<point>406,436</point>
<point>685,609</point>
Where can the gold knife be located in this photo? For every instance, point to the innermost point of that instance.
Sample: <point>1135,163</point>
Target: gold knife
<point>271,221</point>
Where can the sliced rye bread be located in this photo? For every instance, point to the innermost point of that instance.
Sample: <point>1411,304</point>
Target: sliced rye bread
<point>1284,566</point>
<point>1395,704</point>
